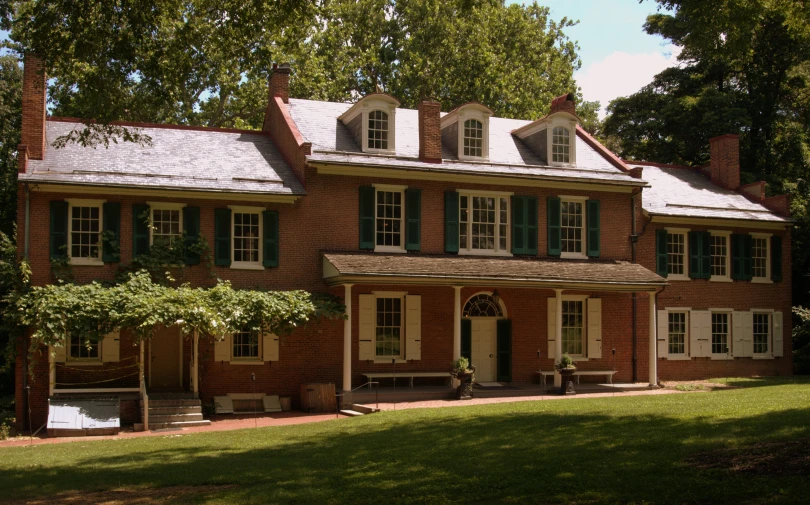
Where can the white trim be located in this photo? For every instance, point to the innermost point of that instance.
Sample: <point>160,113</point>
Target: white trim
<point>84,202</point>
<point>561,121</point>
<point>166,205</point>
<point>84,361</point>
<point>389,294</point>
<point>85,261</point>
<point>486,252</point>
<point>462,114</point>
<point>482,192</point>
<point>246,208</point>
<point>497,251</point>
<point>584,355</point>
<point>501,305</point>
<point>386,188</point>
<point>685,275</point>
<point>153,206</point>
<point>249,360</point>
<point>729,334</point>
<point>763,310</point>
<point>400,358</point>
<point>389,187</point>
<point>573,197</point>
<point>769,353</point>
<point>247,265</point>
<point>581,200</point>
<point>245,361</point>
<point>389,249</point>
<point>727,235</point>
<point>686,354</point>
<point>767,278</point>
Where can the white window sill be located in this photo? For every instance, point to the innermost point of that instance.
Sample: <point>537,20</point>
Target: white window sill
<point>371,150</point>
<point>246,266</point>
<point>387,361</point>
<point>578,358</point>
<point>246,362</point>
<point>722,357</point>
<point>761,280</point>
<point>762,356</point>
<point>720,279</point>
<point>573,256</point>
<point>678,277</point>
<point>84,363</point>
<point>677,357</point>
<point>465,157</point>
<point>389,249</point>
<point>483,252</point>
<point>87,262</point>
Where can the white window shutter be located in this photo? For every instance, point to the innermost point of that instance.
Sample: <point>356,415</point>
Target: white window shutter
<point>698,320</point>
<point>222,349</point>
<point>59,353</point>
<point>705,333</point>
<point>552,327</point>
<point>748,333</point>
<point>738,340</point>
<point>594,327</point>
<point>663,334</point>
<point>111,347</point>
<point>778,335</point>
<point>413,327</point>
<point>366,325</point>
<point>269,347</point>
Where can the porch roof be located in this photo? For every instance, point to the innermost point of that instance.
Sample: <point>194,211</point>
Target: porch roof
<point>370,268</point>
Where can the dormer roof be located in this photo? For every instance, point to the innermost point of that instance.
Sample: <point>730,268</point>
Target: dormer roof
<point>478,108</point>
<point>368,102</point>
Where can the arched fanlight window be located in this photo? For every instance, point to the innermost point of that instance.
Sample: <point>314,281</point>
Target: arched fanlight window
<point>377,130</point>
<point>560,145</point>
<point>473,138</point>
<point>482,305</point>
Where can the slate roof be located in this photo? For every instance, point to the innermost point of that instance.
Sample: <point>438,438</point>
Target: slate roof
<point>178,159</point>
<point>332,142</point>
<point>491,270</point>
<point>685,192</point>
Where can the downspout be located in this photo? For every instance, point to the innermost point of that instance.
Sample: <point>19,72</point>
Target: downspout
<point>633,244</point>
<point>27,215</point>
<point>26,228</point>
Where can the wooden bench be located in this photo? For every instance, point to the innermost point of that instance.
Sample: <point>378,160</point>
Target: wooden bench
<point>607,373</point>
<point>410,375</point>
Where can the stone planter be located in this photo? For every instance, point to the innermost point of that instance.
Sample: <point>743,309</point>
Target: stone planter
<point>567,376</point>
<point>464,390</point>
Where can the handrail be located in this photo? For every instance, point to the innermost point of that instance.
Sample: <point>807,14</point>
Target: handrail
<point>369,383</point>
<point>145,398</point>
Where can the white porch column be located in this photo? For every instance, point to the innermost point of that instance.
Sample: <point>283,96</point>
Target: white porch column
<point>51,371</point>
<point>558,336</point>
<point>195,363</point>
<point>347,340</point>
<point>457,323</point>
<point>653,344</point>
<point>141,365</point>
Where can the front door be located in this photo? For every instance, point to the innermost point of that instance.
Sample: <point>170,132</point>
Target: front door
<point>165,351</point>
<point>483,340</point>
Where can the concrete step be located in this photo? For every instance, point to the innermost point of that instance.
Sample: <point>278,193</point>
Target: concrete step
<point>173,403</point>
<point>176,418</point>
<point>160,426</point>
<point>169,411</point>
<point>363,408</point>
<point>171,396</point>
<point>351,413</point>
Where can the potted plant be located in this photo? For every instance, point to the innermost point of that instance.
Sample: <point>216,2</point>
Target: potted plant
<point>465,373</point>
<point>566,368</point>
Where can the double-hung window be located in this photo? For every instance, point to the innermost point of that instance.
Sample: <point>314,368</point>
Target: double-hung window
<point>84,234</point>
<point>245,346</point>
<point>389,206</point>
<point>167,223</point>
<point>378,130</point>
<point>573,327</point>
<point>572,227</point>
<point>388,327</point>
<point>483,223</point>
<point>719,244</point>
<point>473,138</point>
<point>83,349</point>
<point>676,254</point>
<point>560,145</point>
<point>721,324</point>
<point>246,242</point>
<point>760,257</point>
<point>677,325</point>
<point>761,333</point>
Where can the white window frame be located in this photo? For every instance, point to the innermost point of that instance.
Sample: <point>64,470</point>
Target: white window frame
<point>464,137</point>
<point>366,105</point>
<point>729,335</point>
<point>488,194</point>
<point>769,353</point>
<point>153,206</point>
<point>259,358</point>
<point>402,337</point>
<point>685,232</point>
<point>584,300</point>
<point>584,201</point>
<point>686,355</point>
<point>84,361</point>
<point>727,235</point>
<point>571,125</point>
<point>247,265</point>
<point>480,113</point>
<point>78,202</point>
<point>390,188</point>
<point>367,131</point>
<point>767,238</point>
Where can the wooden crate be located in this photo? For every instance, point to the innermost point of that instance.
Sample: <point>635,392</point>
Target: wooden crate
<point>318,397</point>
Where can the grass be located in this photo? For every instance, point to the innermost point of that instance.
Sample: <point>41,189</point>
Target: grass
<point>585,451</point>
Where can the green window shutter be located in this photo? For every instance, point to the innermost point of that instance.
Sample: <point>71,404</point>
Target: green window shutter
<point>706,255</point>
<point>222,237</point>
<point>110,247</point>
<point>737,257</point>
<point>413,219</point>
<point>554,215</point>
<point>270,238</point>
<point>518,225</point>
<point>694,254</point>
<point>466,339</point>
<point>661,253</point>
<point>531,225</point>
<point>776,258</point>
<point>366,217</point>
<point>140,229</point>
<point>191,233</point>
<point>504,346</point>
<point>594,232</point>
<point>59,229</point>
<point>451,212</point>
<point>747,257</point>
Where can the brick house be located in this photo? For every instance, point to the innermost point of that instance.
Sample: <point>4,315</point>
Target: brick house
<point>453,234</point>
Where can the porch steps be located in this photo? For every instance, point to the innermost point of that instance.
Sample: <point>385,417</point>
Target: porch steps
<point>174,411</point>
<point>355,410</point>
<point>351,413</point>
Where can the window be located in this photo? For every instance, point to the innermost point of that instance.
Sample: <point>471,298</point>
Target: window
<point>572,227</point>
<point>246,345</point>
<point>560,145</point>
<point>473,138</point>
<point>246,238</point>
<point>84,243</point>
<point>677,332</point>
<point>482,305</point>
<point>762,332</point>
<point>573,327</point>
<point>719,243</point>
<point>720,325</point>
<point>483,223</point>
<point>388,328</point>
<point>84,349</point>
<point>167,223</point>
<point>759,257</point>
<point>676,253</point>
<point>389,215</point>
<point>378,130</point>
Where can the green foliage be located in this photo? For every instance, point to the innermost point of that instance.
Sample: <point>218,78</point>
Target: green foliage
<point>565,363</point>
<point>801,341</point>
<point>460,365</point>
<point>10,122</point>
<point>14,280</point>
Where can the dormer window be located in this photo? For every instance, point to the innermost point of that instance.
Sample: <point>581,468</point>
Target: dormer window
<point>378,130</point>
<point>465,131</point>
<point>473,138</point>
<point>560,145</point>
<point>372,123</point>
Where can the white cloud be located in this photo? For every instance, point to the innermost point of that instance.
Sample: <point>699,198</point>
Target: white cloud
<point>622,74</point>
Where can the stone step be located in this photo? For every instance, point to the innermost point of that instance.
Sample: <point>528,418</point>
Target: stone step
<point>171,396</point>
<point>161,426</point>
<point>173,403</point>
<point>351,413</point>
<point>363,408</point>
<point>176,418</point>
<point>168,411</point>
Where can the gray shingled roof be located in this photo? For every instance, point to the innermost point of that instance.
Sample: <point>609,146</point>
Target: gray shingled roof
<point>178,159</point>
<point>493,270</point>
<point>332,142</point>
<point>683,192</point>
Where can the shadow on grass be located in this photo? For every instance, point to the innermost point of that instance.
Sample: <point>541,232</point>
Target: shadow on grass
<point>748,382</point>
<point>513,454</point>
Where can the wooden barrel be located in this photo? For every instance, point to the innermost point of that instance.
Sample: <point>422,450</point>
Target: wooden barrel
<point>318,397</point>
<point>286,403</point>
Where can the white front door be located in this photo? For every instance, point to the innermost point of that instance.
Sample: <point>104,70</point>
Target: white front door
<point>484,338</point>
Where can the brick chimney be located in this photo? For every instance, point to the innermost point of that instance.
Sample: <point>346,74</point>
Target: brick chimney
<point>430,131</point>
<point>34,111</point>
<point>725,161</point>
<point>280,82</point>
<point>564,103</point>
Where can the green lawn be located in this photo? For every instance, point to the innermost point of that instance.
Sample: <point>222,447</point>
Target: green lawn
<point>584,451</point>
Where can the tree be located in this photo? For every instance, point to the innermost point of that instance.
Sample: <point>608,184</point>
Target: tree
<point>10,119</point>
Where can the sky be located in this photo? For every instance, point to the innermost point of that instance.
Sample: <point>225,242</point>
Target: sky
<point>618,58</point>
